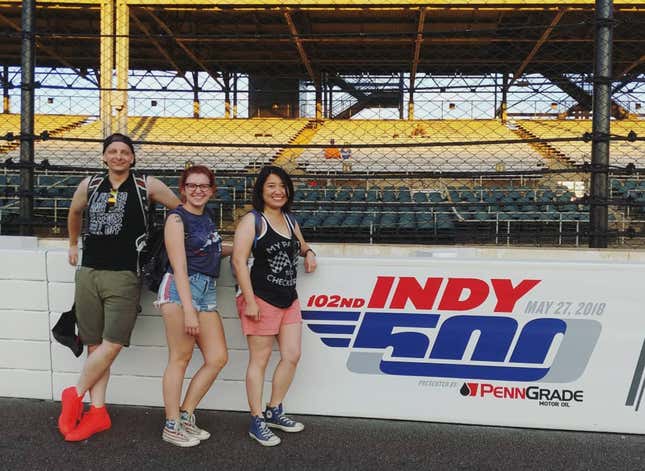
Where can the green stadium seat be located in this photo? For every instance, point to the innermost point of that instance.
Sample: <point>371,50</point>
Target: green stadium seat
<point>313,195</point>
<point>368,220</point>
<point>312,221</point>
<point>404,195</point>
<point>389,221</point>
<point>388,195</point>
<point>344,194</point>
<point>352,220</point>
<point>359,194</point>
<point>407,221</point>
<point>299,194</point>
<point>332,220</point>
<point>373,195</point>
<point>224,195</point>
<point>420,197</point>
<point>435,197</point>
<point>445,224</point>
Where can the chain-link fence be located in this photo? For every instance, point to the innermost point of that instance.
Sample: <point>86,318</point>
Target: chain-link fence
<point>400,123</point>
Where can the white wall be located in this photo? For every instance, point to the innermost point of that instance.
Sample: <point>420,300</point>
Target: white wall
<point>36,285</point>
<point>25,358</point>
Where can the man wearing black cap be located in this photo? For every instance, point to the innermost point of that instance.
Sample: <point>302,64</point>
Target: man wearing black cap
<point>107,286</point>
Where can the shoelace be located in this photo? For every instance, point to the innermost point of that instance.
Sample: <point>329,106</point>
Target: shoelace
<point>188,418</point>
<point>189,423</point>
<point>283,419</point>
<point>265,433</point>
<point>288,421</point>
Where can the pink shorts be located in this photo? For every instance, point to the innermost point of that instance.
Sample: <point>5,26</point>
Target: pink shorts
<point>271,317</point>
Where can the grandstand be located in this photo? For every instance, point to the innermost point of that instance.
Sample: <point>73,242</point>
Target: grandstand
<point>467,123</point>
<point>448,158</point>
<point>172,132</point>
<point>622,152</point>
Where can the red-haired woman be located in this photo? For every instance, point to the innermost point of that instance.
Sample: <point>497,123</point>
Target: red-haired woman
<point>188,303</point>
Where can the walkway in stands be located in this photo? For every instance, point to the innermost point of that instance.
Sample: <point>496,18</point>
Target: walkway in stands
<point>29,440</point>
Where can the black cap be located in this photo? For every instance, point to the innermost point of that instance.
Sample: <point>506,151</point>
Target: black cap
<point>65,332</point>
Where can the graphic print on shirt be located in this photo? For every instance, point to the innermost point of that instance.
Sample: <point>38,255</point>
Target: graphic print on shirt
<point>205,231</point>
<point>104,218</point>
<point>283,272</point>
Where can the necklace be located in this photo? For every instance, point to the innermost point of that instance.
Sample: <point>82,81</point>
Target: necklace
<point>112,197</point>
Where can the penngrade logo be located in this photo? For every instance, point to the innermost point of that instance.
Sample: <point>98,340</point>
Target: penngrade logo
<point>392,335</point>
<point>542,396</point>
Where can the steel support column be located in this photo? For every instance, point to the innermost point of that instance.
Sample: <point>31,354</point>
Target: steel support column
<point>196,106</point>
<point>598,216</point>
<point>6,103</point>
<point>27,92</point>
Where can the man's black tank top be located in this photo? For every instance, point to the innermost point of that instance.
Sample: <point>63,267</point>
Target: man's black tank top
<point>275,258</point>
<point>114,224</point>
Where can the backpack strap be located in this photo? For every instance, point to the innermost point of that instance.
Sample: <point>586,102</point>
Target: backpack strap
<point>141,185</point>
<point>92,186</point>
<point>291,219</point>
<point>258,226</point>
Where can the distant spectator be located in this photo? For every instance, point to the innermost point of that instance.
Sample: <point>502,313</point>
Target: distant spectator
<point>346,156</point>
<point>332,151</point>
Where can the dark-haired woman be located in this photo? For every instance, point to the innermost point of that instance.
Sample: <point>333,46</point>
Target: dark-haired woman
<point>188,303</point>
<point>268,305</point>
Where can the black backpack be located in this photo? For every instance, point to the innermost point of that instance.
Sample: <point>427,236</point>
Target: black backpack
<point>154,260</point>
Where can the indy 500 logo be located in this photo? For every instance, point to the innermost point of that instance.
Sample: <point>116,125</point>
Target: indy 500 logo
<point>447,335</point>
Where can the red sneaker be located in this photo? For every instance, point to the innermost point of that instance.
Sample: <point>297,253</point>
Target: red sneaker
<point>94,421</point>
<point>72,407</point>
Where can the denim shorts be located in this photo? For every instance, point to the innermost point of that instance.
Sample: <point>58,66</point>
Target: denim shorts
<point>202,290</point>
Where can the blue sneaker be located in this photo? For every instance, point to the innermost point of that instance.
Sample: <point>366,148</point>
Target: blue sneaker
<point>259,431</point>
<point>275,418</point>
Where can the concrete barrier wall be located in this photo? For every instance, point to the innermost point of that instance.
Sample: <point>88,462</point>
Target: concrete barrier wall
<point>25,358</point>
<point>36,285</point>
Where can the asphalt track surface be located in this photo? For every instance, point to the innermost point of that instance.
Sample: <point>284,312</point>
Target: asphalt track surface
<point>30,440</point>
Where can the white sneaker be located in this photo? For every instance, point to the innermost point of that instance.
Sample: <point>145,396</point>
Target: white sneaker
<point>187,422</point>
<point>174,433</point>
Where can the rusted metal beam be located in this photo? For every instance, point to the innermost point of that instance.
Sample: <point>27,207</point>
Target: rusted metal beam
<point>545,35</point>
<point>213,73</point>
<point>154,42</point>
<point>49,51</point>
<point>418,41</point>
<point>631,67</point>
<point>301,50</point>
<point>393,40</point>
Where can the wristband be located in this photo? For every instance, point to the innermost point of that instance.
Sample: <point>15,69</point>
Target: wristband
<point>309,250</point>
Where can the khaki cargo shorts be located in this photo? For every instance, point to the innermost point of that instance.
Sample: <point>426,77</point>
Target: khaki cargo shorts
<point>107,303</point>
